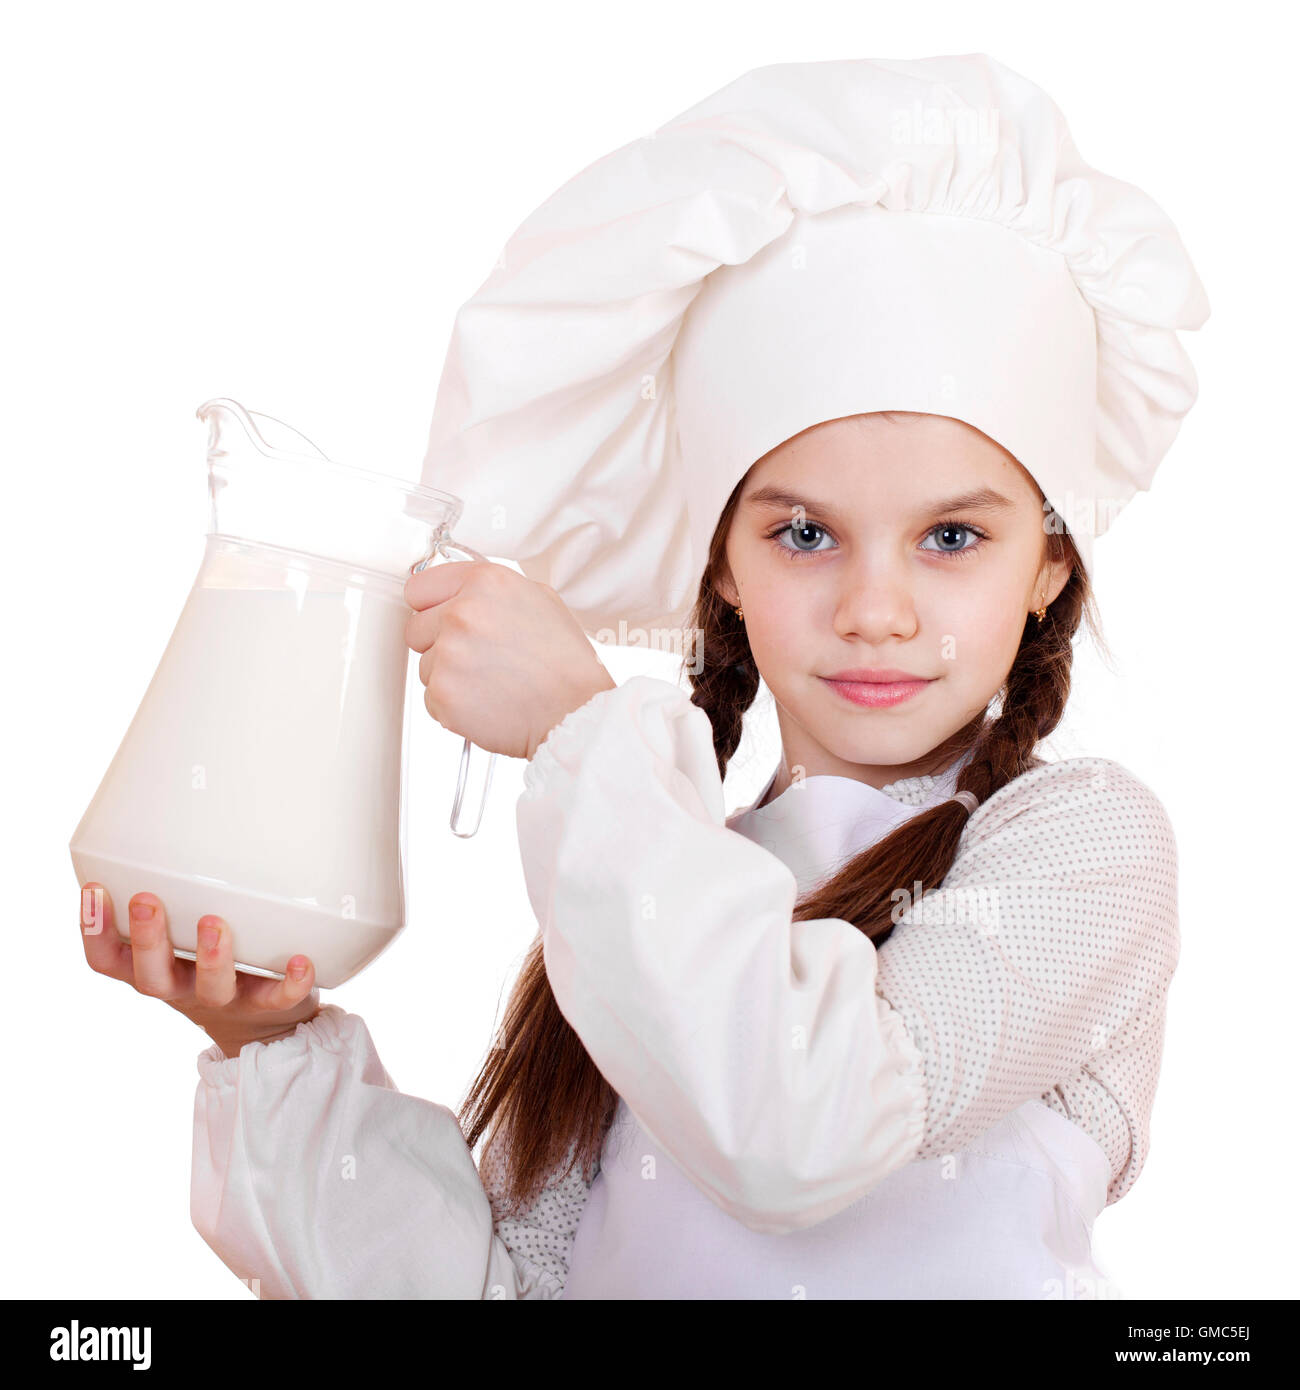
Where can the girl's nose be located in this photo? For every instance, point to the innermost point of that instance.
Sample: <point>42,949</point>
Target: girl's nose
<point>875,603</point>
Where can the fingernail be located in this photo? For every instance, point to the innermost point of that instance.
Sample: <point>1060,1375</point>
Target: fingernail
<point>209,935</point>
<point>297,969</point>
<point>141,912</point>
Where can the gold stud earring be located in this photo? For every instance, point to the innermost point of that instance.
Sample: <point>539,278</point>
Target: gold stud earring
<point>1041,613</point>
<point>740,613</point>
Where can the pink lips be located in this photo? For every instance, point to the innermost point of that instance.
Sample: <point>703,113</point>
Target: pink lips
<point>876,689</point>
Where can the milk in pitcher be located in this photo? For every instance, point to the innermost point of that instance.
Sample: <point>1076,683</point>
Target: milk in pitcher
<point>263,766</point>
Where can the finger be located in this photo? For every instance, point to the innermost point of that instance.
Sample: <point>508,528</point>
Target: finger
<point>275,996</point>
<point>424,668</point>
<point>421,628</point>
<point>424,629</point>
<point>458,619</point>
<point>106,952</point>
<point>214,964</point>
<point>151,947</point>
<point>437,583</point>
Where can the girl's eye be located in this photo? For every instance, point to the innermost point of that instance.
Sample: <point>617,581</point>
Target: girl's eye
<point>951,536</point>
<point>799,532</point>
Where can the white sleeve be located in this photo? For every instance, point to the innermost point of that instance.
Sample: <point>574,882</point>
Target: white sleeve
<point>752,1049</point>
<point>314,1177</point>
<point>789,1067</point>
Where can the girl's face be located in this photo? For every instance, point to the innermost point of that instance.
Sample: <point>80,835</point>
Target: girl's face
<point>861,542</point>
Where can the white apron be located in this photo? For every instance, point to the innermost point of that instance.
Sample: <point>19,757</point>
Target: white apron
<point>1009,1216</point>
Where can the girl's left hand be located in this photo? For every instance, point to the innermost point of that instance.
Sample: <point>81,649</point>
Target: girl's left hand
<point>503,658</point>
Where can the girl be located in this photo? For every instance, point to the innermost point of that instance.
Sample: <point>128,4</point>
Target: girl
<point>955,1135</point>
<point>836,377</point>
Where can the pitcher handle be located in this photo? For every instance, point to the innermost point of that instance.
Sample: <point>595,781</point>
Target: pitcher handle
<point>476,764</point>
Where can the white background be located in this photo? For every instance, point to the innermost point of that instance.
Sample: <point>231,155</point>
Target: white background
<point>285,203</point>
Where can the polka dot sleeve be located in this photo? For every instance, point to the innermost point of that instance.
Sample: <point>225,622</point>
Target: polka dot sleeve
<point>539,1239</point>
<point>1040,967</point>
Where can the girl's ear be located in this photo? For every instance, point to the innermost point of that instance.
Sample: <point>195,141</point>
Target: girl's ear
<point>1053,577</point>
<point>725,589</point>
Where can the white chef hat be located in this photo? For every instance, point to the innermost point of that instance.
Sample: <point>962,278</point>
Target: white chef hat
<point>812,241</point>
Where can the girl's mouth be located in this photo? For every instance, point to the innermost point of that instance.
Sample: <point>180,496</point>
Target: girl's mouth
<point>876,694</point>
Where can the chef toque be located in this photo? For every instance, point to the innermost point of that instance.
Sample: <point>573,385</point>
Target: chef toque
<point>814,240</point>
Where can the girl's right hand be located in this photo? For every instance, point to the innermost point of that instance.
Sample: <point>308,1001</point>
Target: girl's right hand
<point>232,1007</point>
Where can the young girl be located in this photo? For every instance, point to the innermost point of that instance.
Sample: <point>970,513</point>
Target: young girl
<point>836,377</point>
<point>955,1134</point>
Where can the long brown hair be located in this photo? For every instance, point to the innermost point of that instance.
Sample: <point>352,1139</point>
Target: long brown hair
<point>544,1098</point>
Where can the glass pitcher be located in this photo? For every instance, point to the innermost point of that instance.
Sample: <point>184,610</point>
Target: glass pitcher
<point>263,777</point>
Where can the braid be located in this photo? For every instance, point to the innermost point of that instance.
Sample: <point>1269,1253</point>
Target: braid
<point>724,678</point>
<point>1033,701</point>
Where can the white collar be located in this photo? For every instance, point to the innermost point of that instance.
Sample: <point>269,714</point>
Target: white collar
<point>817,824</point>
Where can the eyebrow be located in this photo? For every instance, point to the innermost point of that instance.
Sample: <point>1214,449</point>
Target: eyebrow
<point>982,499</point>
